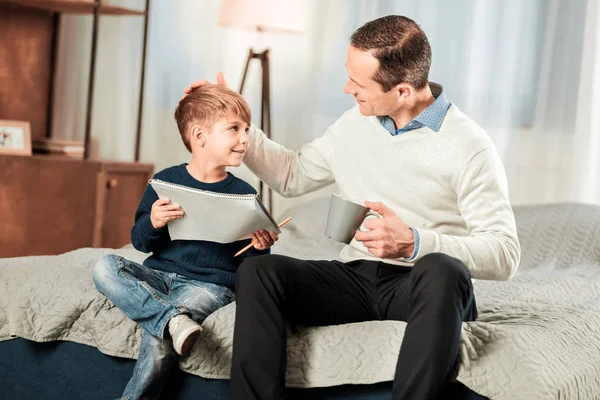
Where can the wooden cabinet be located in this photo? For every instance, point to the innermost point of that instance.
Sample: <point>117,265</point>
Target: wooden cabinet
<point>50,205</point>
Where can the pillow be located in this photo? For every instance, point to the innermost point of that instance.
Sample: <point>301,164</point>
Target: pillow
<point>563,235</point>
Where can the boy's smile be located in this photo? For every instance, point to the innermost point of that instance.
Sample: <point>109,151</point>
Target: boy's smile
<point>225,143</point>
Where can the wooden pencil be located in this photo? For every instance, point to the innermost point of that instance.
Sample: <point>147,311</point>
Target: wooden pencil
<point>285,221</point>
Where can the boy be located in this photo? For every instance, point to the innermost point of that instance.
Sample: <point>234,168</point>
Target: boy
<point>183,281</point>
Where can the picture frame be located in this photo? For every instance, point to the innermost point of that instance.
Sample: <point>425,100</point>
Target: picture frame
<point>15,137</point>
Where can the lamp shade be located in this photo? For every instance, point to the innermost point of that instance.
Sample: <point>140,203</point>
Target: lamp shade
<point>271,15</point>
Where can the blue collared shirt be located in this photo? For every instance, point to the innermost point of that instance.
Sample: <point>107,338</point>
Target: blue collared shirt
<point>431,117</point>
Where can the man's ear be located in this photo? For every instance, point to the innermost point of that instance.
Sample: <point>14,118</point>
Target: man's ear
<point>403,90</point>
<point>198,135</point>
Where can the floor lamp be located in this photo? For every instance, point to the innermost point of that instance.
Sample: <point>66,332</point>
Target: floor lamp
<point>265,108</point>
<point>263,15</point>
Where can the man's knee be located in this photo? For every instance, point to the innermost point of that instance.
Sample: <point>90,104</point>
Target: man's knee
<point>259,270</point>
<point>440,269</point>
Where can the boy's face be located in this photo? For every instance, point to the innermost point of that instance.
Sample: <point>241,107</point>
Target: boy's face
<point>226,142</point>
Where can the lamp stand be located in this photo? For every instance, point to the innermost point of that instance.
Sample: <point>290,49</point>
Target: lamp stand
<point>265,109</point>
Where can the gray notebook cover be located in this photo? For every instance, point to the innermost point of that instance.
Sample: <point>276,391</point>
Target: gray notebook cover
<point>216,217</point>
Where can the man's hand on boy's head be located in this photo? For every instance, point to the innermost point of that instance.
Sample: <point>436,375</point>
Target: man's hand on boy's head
<point>195,85</point>
<point>263,239</point>
<point>164,211</point>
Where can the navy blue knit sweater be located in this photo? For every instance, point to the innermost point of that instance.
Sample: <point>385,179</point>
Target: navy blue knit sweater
<point>196,259</point>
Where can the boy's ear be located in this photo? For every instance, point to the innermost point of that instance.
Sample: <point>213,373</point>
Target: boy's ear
<point>198,135</point>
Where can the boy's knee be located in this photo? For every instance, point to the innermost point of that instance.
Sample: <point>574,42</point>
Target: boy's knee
<point>104,270</point>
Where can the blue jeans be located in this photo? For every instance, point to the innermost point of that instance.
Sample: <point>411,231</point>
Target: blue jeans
<point>151,298</point>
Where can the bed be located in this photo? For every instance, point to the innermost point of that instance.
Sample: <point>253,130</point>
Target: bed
<point>537,336</point>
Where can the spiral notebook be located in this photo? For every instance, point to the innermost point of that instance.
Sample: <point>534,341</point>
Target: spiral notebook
<point>216,217</point>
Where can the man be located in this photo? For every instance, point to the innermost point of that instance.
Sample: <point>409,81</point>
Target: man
<point>437,181</point>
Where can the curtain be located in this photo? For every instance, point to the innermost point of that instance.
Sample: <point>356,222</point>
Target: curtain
<point>526,71</point>
<point>586,156</point>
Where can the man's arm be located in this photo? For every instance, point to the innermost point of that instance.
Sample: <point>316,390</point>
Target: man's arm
<point>287,172</point>
<point>492,250</point>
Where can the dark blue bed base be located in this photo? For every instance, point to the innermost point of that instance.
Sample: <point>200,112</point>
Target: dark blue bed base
<point>65,370</point>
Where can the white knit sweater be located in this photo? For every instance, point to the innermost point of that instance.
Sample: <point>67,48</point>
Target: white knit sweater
<point>449,185</point>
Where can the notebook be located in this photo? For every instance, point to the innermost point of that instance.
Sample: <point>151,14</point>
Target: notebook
<point>216,217</point>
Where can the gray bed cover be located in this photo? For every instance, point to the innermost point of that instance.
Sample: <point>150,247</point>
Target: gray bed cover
<point>537,336</point>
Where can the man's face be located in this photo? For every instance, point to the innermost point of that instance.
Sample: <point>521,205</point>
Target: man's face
<point>371,98</point>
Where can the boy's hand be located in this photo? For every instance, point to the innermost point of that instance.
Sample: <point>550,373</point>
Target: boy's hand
<point>164,211</point>
<point>263,239</point>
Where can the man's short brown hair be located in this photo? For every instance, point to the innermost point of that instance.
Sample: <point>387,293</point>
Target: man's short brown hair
<point>401,47</point>
<point>206,105</point>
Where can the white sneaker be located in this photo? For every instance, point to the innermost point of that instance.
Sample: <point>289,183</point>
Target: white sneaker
<point>184,332</point>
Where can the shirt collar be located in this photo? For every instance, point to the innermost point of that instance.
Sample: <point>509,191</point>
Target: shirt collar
<point>432,117</point>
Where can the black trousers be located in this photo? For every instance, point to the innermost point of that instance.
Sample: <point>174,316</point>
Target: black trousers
<point>434,297</point>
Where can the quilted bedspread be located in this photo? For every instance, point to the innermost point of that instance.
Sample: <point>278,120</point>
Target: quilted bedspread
<point>537,336</point>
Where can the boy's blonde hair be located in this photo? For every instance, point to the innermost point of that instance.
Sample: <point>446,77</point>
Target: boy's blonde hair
<point>206,105</point>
